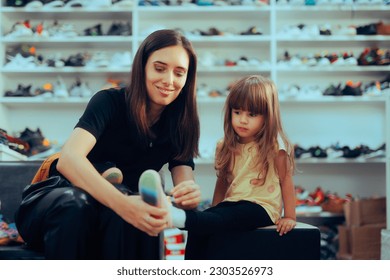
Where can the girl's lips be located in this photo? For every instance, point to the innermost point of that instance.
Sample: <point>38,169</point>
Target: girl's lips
<point>243,129</point>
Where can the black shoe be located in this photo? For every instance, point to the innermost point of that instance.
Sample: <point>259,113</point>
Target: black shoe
<point>120,29</point>
<point>21,91</point>
<point>333,90</point>
<point>37,142</point>
<point>94,30</point>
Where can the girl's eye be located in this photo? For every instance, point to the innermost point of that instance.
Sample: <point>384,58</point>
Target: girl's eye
<point>180,74</point>
<point>253,115</point>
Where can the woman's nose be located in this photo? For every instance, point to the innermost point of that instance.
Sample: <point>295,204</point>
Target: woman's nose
<point>168,78</point>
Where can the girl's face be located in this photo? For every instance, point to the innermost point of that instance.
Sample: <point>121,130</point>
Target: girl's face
<point>246,124</point>
<point>166,74</point>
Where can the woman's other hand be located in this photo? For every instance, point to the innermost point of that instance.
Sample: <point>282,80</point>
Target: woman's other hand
<point>186,194</point>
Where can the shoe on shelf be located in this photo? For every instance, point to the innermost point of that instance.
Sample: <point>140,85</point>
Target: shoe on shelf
<point>333,90</point>
<point>21,91</point>
<point>36,141</point>
<point>60,89</point>
<point>351,88</point>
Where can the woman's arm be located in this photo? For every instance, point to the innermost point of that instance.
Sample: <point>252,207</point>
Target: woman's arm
<point>186,192</point>
<point>75,166</point>
<point>288,221</point>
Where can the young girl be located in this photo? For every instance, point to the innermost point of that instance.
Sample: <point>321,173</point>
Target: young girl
<point>254,164</point>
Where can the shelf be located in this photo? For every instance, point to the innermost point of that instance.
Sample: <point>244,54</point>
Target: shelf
<point>204,9</point>
<point>38,71</point>
<point>81,10</point>
<point>331,8</point>
<point>330,68</point>
<point>21,102</point>
<point>103,40</point>
<point>333,38</point>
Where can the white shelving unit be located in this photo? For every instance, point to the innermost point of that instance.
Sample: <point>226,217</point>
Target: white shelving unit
<point>308,121</point>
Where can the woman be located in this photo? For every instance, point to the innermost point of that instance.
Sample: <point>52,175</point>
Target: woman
<point>152,122</point>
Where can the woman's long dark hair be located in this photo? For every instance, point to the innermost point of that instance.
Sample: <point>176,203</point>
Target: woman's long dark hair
<point>182,113</point>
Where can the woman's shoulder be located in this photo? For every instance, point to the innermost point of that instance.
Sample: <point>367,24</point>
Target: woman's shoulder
<point>112,92</point>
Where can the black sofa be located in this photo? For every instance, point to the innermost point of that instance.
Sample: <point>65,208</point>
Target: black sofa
<point>14,176</point>
<point>264,243</point>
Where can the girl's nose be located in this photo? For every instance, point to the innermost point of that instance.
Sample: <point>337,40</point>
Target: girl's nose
<point>243,118</point>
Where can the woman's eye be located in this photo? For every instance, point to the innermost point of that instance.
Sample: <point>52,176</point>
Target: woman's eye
<point>159,69</point>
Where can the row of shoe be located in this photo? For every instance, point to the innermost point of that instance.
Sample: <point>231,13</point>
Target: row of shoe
<point>338,151</point>
<point>376,88</point>
<point>331,2</point>
<point>188,3</point>
<point>52,90</point>
<point>28,142</point>
<point>25,29</point>
<point>304,30</point>
<point>44,4</point>
<point>368,57</point>
<point>210,32</point>
<point>208,59</point>
<point>59,89</point>
<point>328,201</point>
<point>90,60</point>
<point>348,88</point>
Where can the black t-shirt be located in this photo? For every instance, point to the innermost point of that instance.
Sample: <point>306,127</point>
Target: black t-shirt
<point>117,139</point>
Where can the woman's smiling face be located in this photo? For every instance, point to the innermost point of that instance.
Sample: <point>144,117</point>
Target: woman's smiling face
<point>166,74</point>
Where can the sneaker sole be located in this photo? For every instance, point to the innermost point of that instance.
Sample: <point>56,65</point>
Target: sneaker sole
<point>149,185</point>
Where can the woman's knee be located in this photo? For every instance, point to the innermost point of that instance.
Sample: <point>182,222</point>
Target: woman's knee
<point>73,201</point>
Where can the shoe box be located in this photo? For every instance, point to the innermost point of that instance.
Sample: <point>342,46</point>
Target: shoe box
<point>360,242</point>
<point>365,211</point>
<point>360,237</point>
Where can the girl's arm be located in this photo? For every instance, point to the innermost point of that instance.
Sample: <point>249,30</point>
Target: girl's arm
<point>75,166</point>
<point>186,192</point>
<point>288,221</point>
<point>219,191</point>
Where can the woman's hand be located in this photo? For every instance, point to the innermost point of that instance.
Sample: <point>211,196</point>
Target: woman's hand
<point>147,218</point>
<point>186,194</point>
<point>284,225</point>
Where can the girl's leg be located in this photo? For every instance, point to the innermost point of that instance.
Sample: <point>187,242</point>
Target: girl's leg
<point>227,216</point>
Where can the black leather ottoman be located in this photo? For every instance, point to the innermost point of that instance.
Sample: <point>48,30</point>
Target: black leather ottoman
<point>14,176</point>
<point>302,243</point>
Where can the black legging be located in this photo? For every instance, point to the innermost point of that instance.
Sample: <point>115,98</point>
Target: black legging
<point>67,223</point>
<point>224,217</point>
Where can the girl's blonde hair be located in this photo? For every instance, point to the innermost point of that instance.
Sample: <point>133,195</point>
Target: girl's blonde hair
<point>257,95</point>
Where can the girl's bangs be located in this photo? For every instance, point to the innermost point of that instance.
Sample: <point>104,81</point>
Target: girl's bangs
<point>249,98</point>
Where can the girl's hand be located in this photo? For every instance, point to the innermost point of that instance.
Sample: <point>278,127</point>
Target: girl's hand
<point>186,194</point>
<point>145,217</point>
<point>284,225</point>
